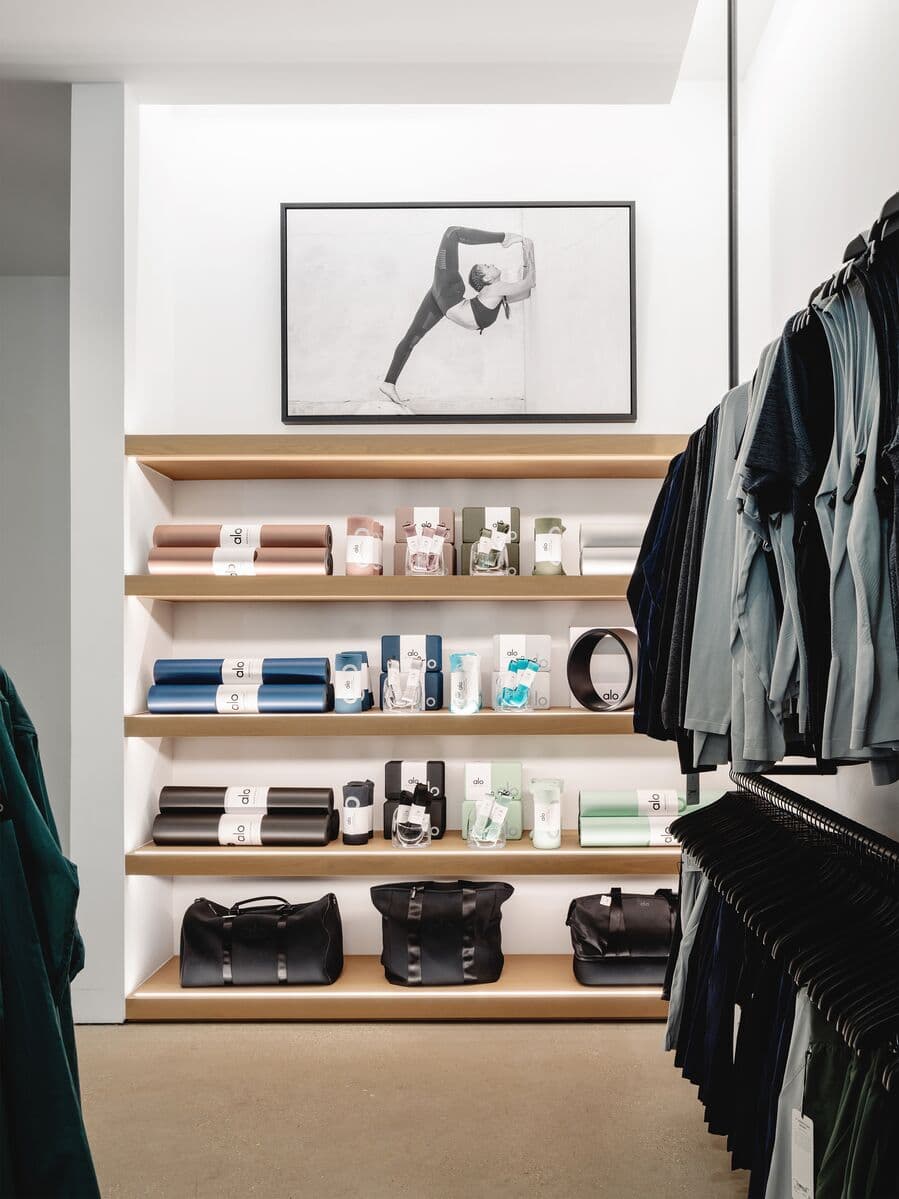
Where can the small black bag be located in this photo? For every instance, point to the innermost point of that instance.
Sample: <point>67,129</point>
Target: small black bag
<point>441,934</point>
<point>621,939</point>
<point>281,942</point>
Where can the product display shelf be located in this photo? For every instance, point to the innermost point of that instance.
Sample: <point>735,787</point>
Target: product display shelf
<point>408,456</point>
<point>450,857</point>
<point>399,589</point>
<point>532,987</point>
<point>558,722</point>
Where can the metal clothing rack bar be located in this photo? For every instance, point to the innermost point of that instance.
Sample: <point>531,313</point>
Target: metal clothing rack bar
<point>877,850</point>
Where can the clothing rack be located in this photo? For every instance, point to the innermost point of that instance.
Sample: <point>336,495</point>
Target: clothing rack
<point>878,852</point>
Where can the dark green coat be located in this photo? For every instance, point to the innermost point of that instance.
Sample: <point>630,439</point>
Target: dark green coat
<point>44,1152</point>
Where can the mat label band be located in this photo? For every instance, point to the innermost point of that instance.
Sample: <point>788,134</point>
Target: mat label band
<point>240,830</point>
<point>242,671</point>
<point>236,698</point>
<point>229,561</point>
<point>234,537</point>
<point>249,800</point>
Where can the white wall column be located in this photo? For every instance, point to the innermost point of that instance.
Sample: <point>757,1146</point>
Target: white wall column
<point>97,361</point>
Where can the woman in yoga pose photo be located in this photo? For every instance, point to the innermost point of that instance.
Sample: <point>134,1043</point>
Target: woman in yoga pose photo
<point>446,295</point>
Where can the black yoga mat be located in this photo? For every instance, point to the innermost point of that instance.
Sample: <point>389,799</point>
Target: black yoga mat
<point>211,800</point>
<point>198,828</point>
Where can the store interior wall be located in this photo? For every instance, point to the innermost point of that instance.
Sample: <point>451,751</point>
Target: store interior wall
<point>817,160</point>
<point>212,178</point>
<point>35,637</point>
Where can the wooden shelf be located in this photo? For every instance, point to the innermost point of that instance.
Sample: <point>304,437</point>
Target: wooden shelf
<point>385,589</point>
<point>558,722</point>
<point>532,987</point>
<point>409,456</point>
<point>449,857</point>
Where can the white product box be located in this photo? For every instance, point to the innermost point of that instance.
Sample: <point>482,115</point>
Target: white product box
<point>537,646</point>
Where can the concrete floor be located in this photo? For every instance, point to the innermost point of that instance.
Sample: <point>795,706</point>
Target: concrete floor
<point>429,1111</point>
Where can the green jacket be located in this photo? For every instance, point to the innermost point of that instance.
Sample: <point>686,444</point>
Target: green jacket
<point>44,1152</point>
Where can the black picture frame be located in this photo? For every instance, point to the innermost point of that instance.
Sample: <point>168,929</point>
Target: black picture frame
<point>401,419</point>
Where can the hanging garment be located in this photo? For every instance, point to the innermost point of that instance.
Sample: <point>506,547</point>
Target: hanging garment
<point>708,684</point>
<point>693,892</point>
<point>783,469</point>
<point>790,1097</point>
<point>644,593</point>
<point>40,952</point>
<point>757,736</point>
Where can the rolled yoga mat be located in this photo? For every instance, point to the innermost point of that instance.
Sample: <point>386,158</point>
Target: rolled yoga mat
<point>285,561</point>
<point>596,831</point>
<point>632,803</point>
<point>191,560</point>
<point>613,529</point>
<point>249,535</point>
<point>256,800</point>
<point>609,560</point>
<point>269,697</point>
<point>244,669</point>
<point>200,828</point>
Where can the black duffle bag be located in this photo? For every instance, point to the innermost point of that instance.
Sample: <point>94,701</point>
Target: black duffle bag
<point>621,939</point>
<point>261,941</point>
<point>441,934</point>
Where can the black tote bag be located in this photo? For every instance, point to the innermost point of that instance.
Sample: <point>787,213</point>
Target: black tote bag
<point>441,934</point>
<point>253,945</point>
<point>620,938</point>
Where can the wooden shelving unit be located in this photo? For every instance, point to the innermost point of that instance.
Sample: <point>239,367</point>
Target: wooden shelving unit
<point>532,987</point>
<point>449,857</point>
<point>407,456</point>
<point>393,589</point>
<point>556,722</point>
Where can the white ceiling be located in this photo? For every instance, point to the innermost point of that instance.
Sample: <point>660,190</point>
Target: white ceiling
<point>472,51</point>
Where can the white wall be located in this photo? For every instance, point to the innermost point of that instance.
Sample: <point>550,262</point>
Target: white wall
<point>34,502</point>
<point>212,178</point>
<point>818,151</point>
<point>818,159</point>
<point>101,231</point>
<point>207,358</point>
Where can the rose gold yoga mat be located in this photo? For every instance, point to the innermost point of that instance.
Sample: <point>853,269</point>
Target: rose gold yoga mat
<point>270,536</point>
<point>294,561</point>
<point>186,560</point>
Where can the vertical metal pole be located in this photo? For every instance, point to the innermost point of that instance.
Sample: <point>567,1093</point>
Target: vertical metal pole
<point>733,332</point>
<point>733,312</point>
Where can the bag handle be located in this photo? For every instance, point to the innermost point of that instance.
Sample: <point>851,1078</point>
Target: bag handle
<point>413,937</point>
<point>235,910</point>
<point>617,931</point>
<point>469,908</point>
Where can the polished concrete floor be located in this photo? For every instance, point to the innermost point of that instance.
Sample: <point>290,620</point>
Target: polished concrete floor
<point>433,1111</point>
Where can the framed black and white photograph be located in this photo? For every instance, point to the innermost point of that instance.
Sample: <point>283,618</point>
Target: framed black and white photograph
<point>464,312</point>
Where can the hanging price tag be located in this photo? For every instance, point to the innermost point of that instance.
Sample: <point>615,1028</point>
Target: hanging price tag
<point>802,1157</point>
